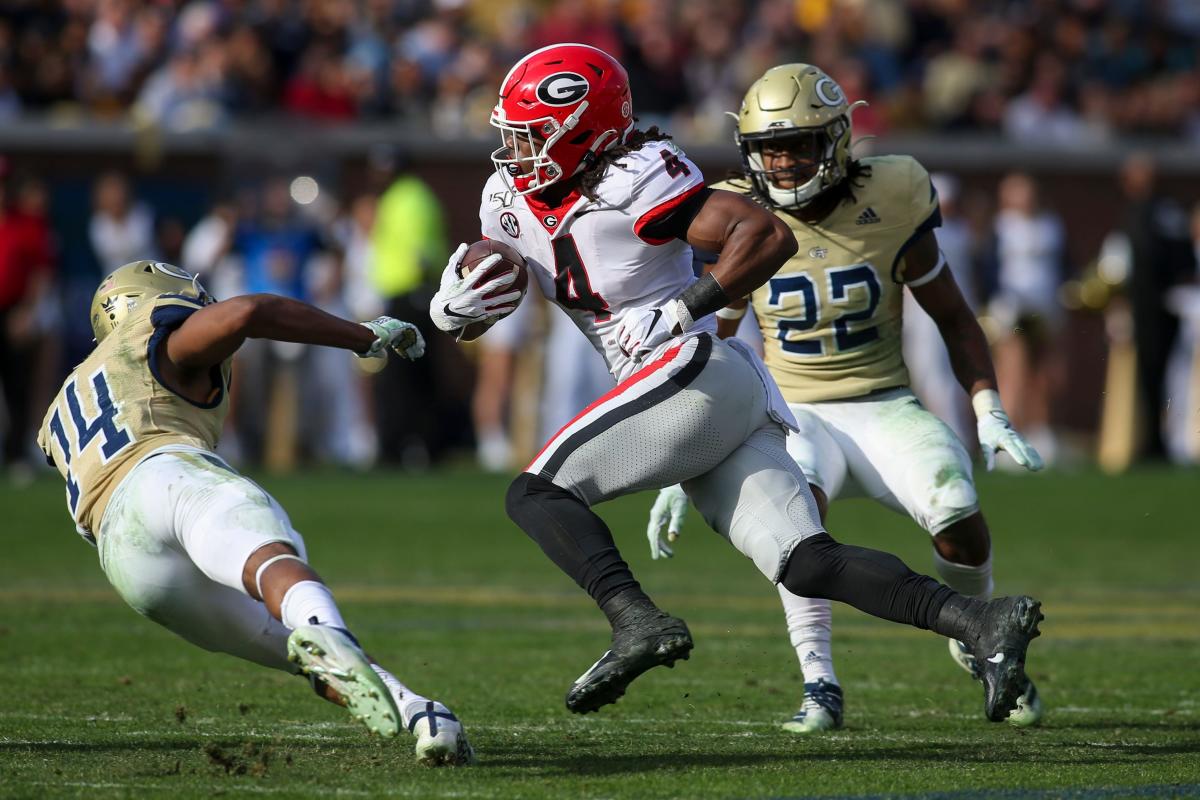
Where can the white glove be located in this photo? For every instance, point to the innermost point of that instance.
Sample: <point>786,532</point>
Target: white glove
<point>641,330</point>
<point>403,338</point>
<point>458,302</point>
<point>670,507</point>
<point>996,432</point>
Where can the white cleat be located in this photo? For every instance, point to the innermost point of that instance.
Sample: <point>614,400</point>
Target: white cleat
<point>821,711</point>
<point>441,740</point>
<point>1029,708</point>
<point>333,657</point>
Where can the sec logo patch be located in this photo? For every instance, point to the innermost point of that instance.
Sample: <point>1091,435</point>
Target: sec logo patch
<point>508,221</point>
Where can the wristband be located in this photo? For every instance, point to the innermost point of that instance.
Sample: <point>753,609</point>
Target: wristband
<point>702,298</point>
<point>732,313</point>
<point>986,401</point>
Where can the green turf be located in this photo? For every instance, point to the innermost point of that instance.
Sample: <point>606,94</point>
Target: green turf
<point>98,702</point>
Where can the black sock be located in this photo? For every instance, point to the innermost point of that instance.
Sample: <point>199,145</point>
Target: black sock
<point>575,539</point>
<point>871,581</point>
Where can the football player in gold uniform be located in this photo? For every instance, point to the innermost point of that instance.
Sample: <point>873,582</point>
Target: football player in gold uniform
<point>830,320</point>
<point>183,538</point>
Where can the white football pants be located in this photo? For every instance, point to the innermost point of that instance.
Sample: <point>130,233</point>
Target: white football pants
<point>708,416</point>
<point>885,446</point>
<point>174,540</point>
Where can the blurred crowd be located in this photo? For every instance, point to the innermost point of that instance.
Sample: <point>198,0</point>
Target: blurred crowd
<point>381,249</point>
<point>1064,71</point>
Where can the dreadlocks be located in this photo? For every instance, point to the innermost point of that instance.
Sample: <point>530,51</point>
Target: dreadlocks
<point>589,181</point>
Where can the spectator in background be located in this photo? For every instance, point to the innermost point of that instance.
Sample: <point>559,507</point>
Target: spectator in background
<point>360,443</point>
<point>1030,249</point>
<point>186,93</point>
<point>321,89</point>
<point>121,229</point>
<point>26,275</point>
<point>1041,115</point>
<point>277,246</point>
<point>1161,257</point>
<point>409,246</point>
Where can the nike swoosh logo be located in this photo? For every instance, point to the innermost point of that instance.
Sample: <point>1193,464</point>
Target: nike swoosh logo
<point>996,659</point>
<point>446,310</point>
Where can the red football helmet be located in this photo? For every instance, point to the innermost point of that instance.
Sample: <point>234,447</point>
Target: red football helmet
<point>568,102</point>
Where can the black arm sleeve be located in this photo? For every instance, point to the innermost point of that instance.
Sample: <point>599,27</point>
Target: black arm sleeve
<point>675,224</point>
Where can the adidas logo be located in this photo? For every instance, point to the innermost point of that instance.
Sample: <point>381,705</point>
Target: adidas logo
<point>867,217</point>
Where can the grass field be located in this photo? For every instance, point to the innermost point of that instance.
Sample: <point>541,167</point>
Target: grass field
<point>100,703</point>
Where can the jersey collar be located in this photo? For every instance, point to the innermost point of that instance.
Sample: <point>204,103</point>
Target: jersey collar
<point>553,218</point>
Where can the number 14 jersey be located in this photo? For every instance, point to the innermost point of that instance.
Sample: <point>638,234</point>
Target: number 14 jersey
<point>113,410</point>
<point>831,316</point>
<point>598,258</point>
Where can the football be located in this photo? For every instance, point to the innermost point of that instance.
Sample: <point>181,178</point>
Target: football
<point>509,258</point>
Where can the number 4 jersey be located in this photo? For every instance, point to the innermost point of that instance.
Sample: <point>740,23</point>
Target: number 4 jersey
<point>598,258</point>
<point>831,316</point>
<point>113,410</point>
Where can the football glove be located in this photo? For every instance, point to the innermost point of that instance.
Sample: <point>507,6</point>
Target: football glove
<point>997,433</point>
<point>670,507</point>
<point>458,303</point>
<point>641,330</point>
<point>402,338</point>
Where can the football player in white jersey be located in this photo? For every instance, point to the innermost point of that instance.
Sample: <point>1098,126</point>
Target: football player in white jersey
<point>605,215</point>
<point>830,320</point>
<point>183,538</point>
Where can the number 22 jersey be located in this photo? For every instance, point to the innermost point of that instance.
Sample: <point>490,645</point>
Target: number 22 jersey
<point>831,316</point>
<point>598,258</point>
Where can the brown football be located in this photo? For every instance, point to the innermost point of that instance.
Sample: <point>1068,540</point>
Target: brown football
<point>509,258</point>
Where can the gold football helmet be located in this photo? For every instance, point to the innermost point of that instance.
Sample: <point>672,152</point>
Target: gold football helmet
<point>128,286</point>
<point>800,108</point>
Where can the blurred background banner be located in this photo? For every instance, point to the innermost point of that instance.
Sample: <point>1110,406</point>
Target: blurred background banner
<point>334,150</point>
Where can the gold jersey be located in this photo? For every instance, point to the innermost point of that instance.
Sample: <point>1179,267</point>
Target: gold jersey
<point>113,410</point>
<point>831,316</point>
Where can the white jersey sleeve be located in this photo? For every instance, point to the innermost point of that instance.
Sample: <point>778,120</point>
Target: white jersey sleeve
<point>650,184</point>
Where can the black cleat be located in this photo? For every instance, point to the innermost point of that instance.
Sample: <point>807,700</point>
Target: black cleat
<point>648,640</point>
<point>1009,624</point>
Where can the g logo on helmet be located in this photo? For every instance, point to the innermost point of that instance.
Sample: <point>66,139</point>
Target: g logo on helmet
<point>172,270</point>
<point>563,89</point>
<point>829,92</point>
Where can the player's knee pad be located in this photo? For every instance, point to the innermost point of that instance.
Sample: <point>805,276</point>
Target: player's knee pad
<point>953,501</point>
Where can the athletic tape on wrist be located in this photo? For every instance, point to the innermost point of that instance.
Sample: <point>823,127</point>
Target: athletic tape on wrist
<point>263,568</point>
<point>732,313</point>
<point>702,298</point>
<point>985,401</point>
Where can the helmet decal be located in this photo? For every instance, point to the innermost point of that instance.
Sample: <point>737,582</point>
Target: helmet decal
<point>172,270</point>
<point>563,89</point>
<point>828,92</point>
<point>553,120</point>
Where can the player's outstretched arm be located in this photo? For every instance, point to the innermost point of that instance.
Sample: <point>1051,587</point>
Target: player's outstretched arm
<point>934,288</point>
<point>215,332</point>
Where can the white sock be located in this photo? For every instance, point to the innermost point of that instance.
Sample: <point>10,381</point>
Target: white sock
<point>408,701</point>
<point>310,603</point>
<point>964,578</point>
<point>809,624</point>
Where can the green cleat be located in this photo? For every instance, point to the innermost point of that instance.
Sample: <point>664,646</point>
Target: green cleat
<point>333,657</point>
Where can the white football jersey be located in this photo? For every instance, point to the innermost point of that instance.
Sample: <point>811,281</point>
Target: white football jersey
<point>595,258</point>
